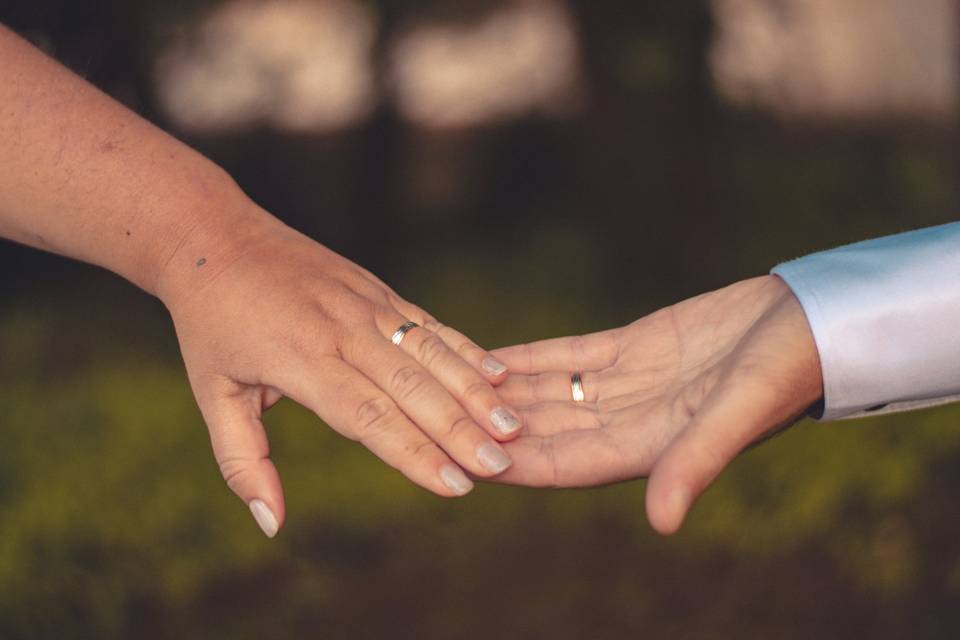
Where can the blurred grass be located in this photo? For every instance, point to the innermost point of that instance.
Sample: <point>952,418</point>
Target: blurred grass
<point>116,522</point>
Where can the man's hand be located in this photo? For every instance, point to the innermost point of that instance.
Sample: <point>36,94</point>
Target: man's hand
<point>674,396</point>
<point>281,315</point>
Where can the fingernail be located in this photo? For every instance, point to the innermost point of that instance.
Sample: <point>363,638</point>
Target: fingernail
<point>505,422</point>
<point>493,366</point>
<point>264,517</point>
<point>455,480</point>
<point>493,457</point>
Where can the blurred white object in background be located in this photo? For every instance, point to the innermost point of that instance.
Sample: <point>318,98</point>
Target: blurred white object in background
<point>295,64</point>
<point>839,59</point>
<point>523,58</point>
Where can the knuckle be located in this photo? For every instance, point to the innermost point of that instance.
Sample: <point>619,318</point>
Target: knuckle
<point>311,320</point>
<point>330,293</point>
<point>373,415</point>
<point>346,304</point>
<point>407,381</point>
<point>460,424</point>
<point>430,349</point>
<point>476,391</point>
<point>356,309</point>
<point>433,325</point>
<point>415,451</point>
<point>232,470</point>
<point>466,349</point>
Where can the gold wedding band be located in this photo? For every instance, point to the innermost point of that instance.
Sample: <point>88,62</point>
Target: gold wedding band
<point>401,332</point>
<point>576,386</point>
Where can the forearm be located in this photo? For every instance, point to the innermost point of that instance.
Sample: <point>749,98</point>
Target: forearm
<point>82,176</point>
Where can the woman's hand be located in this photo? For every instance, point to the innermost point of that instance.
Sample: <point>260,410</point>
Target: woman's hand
<point>675,395</point>
<point>261,311</point>
<point>281,315</point>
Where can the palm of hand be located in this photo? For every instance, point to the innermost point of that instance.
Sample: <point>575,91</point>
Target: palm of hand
<point>675,395</point>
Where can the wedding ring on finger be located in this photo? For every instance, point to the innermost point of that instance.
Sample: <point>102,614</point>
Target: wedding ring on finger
<point>401,331</point>
<point>576,387</point>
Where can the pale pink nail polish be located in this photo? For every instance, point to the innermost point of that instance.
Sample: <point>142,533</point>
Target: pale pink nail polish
<point>493,366</point>
<point>505,422</point>
<point>264,517</point>
<point>493,457</point>
<point>455,479</point>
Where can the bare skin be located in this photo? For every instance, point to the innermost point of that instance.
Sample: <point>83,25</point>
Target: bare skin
<point>674,396</point>
<point>261,311</point>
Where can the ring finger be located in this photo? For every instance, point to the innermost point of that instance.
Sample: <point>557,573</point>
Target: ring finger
<point>552,386</point>
<point>462,380</point>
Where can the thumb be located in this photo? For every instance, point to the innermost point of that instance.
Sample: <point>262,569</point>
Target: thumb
<point>242,452</point>
<point>769,384</point>
<point>731,417</point>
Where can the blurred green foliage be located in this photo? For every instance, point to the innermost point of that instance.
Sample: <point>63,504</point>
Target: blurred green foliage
<point>114,521</point>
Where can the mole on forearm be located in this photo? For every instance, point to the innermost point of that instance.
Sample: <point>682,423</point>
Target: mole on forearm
<point>201,262</point>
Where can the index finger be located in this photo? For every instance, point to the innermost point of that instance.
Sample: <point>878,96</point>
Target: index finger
<point>592,351</point>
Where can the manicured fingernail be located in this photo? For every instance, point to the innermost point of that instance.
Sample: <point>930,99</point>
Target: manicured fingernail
<point>455,480</point>
<point>493,457</point>
<point>264,517</point>
<point>493,366</point>
<point>505,422</point>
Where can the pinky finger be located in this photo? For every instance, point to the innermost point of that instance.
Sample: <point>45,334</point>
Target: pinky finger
<point>492,369</point>
<point>479,358</point>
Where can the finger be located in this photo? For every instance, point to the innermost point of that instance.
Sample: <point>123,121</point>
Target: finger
<point>242,452</point>
<point>554,386</point>
<point>356,408</point>
<point>551,418</point>
<point>426,402</point>
<point>624,447</point>
<point>579,458</point>
<point>574,353</point>
<point>480,359</point>
<point>726,423</point>
<point>461,380</point>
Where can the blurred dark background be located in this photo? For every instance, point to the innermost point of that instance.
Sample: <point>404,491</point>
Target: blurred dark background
<point>523,169</point>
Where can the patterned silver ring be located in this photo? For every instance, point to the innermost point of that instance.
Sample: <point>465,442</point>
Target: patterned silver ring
<point>576,386</point>
<point>402,331</point>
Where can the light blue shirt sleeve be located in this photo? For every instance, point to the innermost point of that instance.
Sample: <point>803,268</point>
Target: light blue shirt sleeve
<point>885,315</point>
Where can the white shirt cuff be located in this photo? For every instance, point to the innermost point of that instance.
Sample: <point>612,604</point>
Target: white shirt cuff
<point>885,315</point>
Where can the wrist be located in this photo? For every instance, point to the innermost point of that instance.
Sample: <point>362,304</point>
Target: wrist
<point>222,224</point>
<point>807,356</point>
